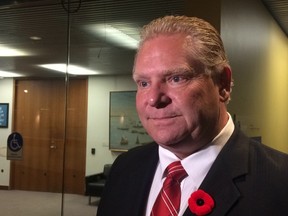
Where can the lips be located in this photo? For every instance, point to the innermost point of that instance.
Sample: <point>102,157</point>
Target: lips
<point>163,120</point>
<point>162,117</point>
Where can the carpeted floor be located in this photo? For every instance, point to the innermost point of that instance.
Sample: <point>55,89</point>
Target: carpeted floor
<point>27,203</point>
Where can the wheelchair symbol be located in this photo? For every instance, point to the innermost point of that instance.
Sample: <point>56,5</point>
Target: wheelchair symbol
<point>15,144</point>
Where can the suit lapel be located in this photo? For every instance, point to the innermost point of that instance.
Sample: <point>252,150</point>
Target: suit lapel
<point>221,180</point>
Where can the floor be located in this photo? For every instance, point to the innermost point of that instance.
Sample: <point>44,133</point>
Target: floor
<point>27,203</point>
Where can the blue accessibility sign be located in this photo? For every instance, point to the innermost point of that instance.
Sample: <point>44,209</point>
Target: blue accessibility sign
<point>15,145</point>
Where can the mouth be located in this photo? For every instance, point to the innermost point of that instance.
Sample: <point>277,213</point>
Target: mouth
<point>163,120</point>
<point>162,117</point>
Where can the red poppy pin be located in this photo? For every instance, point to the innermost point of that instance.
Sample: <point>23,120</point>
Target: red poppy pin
<point>200,203</point>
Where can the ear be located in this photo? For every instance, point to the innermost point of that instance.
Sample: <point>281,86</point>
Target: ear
<point>225,79</point>
<point>225,84</point>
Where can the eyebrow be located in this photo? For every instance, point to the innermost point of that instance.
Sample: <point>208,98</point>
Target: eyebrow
<point>184,71</point>
<point>170,72</point>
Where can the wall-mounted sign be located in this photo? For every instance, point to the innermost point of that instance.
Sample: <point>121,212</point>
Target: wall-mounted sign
<point>14,146</point>
<point>4,111</point>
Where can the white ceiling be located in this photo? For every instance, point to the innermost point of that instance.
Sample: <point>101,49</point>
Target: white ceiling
<point>48,19</point>
<point>279,10</point>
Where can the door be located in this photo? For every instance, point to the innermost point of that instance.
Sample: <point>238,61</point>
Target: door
<point>40,116</point>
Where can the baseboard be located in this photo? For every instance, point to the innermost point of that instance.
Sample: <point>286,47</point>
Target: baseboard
<point>4,187</point>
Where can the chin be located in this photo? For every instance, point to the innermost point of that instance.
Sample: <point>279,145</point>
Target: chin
<point>165,141</point>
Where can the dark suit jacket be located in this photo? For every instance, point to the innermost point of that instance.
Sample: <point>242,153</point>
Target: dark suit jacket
<point>246,179</point>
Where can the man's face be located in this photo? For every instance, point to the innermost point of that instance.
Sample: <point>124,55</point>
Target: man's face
<point>175,106</point>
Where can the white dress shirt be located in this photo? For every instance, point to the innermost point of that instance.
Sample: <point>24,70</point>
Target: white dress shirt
<point>196,165</point>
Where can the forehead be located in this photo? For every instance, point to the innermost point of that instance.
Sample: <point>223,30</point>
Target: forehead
<point>164,54</point>
<point>164,41</point>
<point>163,49</point>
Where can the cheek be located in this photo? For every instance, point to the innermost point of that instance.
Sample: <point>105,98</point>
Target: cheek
<point>188,100</point>
<point>195,104</point>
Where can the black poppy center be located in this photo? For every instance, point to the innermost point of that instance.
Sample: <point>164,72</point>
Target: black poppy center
<point>200,202</point>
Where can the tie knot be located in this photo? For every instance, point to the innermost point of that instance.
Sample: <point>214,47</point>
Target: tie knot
<point>176,171</point>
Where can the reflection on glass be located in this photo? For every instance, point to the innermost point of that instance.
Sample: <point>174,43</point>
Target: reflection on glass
<point>51,109</point>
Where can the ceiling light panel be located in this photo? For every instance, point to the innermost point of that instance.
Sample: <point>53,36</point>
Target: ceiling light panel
<point>8,52</point>
<point>119,37</point>
<point>72,69</point>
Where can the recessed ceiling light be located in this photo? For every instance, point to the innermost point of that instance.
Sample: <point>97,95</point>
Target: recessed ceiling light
<point>114,35</point>
<point>72,69</point>
<point>36,38</point>
<point>7,51</point>
<point>9,74</point>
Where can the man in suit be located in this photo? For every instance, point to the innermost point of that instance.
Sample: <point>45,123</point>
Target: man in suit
<point>184,85</point>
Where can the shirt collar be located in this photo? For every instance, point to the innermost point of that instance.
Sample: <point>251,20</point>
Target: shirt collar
<point>203,158</point>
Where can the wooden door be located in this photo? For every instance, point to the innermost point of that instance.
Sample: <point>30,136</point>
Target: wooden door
<point>76,129</point>
<point>39,115</point>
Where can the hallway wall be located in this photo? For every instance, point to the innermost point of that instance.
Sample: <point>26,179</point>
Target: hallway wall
<point>6,92</point>
<point>258,52</point>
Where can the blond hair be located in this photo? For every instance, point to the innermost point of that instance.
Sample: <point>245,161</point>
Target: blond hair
<point>203,42</point>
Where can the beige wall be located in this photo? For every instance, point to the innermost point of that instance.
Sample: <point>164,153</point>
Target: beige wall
<point>258,52</point>
<point>98,118</point>
<point>6,89</point>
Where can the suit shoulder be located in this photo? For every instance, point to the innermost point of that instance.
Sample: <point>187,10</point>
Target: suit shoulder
<point>137,156</point>
<point>269,167</point>
<point>259,153</point>
<point>264,153</point>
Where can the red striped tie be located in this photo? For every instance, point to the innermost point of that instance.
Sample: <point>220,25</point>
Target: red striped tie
<point>168,200</point>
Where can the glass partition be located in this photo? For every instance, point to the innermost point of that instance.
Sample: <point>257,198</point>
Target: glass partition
<point>34,142</point>
<point>59,60</point>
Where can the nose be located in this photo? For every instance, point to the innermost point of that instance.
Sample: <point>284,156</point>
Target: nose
<point>158,97</point>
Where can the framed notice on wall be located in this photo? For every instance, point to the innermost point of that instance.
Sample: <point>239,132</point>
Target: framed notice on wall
<point>125,128</point>
<point>4,112</point>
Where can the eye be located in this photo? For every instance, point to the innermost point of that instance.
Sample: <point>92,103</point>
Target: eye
<point>142,84</point>
<point>177,79</point>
